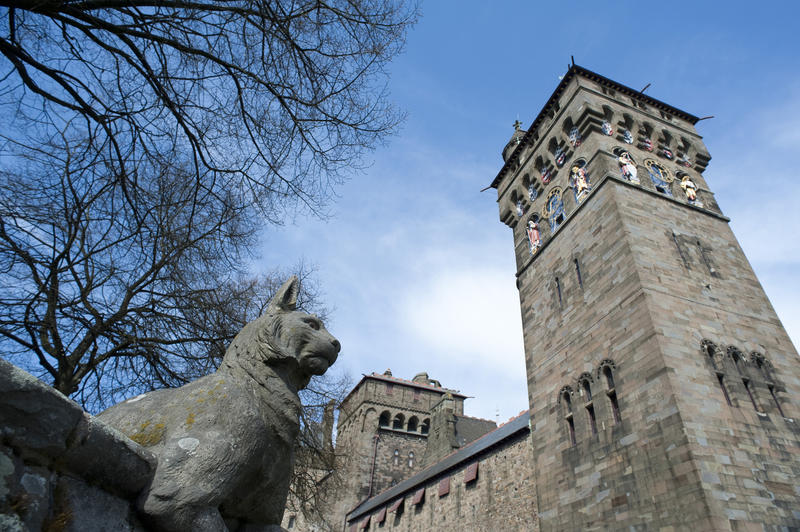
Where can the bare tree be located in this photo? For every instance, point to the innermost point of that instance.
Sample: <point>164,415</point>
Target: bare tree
<point>271,99</point>
<point>143,145</point>
<point>109,302</point>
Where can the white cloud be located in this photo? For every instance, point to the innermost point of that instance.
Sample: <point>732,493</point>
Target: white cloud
<point>467,316</point>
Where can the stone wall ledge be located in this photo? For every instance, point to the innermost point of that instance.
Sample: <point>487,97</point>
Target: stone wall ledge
<point>46,428</point>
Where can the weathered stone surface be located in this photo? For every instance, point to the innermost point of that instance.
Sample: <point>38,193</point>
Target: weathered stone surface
<point>34,417</point>
<point>80,507</point>
<point>224,443</point>
<point>45,427</point>
<point>103,455</point>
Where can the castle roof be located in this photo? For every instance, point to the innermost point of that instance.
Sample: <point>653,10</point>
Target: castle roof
<point>455,460</point>
<point>573,71</point>
<point>403,382</point>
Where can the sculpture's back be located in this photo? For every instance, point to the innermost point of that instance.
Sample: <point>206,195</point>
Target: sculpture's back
<point>225,442</point>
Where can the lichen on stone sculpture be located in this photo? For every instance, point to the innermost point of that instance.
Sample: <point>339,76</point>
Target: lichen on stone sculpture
<point>225,442</point>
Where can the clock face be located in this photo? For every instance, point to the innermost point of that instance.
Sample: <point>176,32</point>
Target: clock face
<point>658,171</point>
<point>553,201</point>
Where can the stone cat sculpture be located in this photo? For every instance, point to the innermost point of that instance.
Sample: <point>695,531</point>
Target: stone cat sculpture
<point>225,442</point>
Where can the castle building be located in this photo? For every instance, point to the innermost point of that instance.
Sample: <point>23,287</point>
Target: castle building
<point>385,427</point>
<point>662,386</point>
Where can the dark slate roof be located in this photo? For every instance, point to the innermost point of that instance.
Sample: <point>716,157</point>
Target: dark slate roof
<point>452,461</point>
<point>573,71</point>
<point>469,429</point>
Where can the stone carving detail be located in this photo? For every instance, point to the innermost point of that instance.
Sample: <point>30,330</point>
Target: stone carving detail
<point>545,173</point>
<point>627,166</point>
<point>534,235</point>
<point>690,189</point>
<point>627,136</point>
<point>579,181</point>
<point>575,137</point>
<point>225,442</point>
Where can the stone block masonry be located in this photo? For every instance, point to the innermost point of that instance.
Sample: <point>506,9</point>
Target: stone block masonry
<point>60,469</point>
<point>485,486</point>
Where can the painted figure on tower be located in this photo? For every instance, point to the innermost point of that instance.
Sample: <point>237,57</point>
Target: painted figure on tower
<point>532,192</point>
<point>628,167</point>
<point>575,137</point>
<point>560,156</point>
<point>690,189</point>
<point>520,210</point>
<point>646,144</point>
<point>667,153</point>
<point>534,236</point>
<point>545,175</point>
<point>607,128</point>
<point>627,137</point>
<point>579,181</point>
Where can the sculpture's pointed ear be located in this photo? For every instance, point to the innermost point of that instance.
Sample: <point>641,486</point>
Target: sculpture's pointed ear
<point>286,296</point>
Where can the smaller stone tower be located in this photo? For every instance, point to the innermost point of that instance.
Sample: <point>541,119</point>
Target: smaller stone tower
<point>382,432</point>
<point>391,428</point>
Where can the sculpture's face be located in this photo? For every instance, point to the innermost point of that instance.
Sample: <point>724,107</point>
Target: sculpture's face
<point>305,338</point>
<point>284,336</point>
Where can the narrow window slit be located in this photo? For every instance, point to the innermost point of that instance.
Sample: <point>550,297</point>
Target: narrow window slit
<point>578,271</point>
<point>612,398</point>
<point>775,398</point>
<point>568,416</point>
<point>592,419</point>
<point>558,289</point>
<point>724,388</point>
<point>750,394</point>
<point>571,427</point>
<point>680,251</point>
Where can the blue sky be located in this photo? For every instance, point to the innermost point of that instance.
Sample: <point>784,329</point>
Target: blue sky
<point>417,267</point>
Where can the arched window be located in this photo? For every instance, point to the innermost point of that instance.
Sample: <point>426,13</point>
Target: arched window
<point>586,387</point>
<point>413,422</point>
<point>737,357</point>
<point>609,377</point>
<point>399,421</point>
<point>763,367</point>
<point>396,457</point>
<point>426,426</point>
<point>568,418</point>
<point>410,458</point>
<point>607,370</point>
<point>738,362</point>
<point>761,363</point>
<point>710,350</point>
<point>383,421</point>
